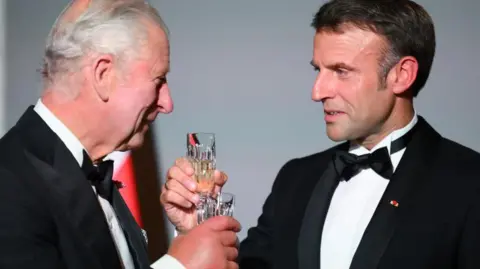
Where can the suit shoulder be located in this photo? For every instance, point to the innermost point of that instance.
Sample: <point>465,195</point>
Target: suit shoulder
<point>9,139</point>
<point>301,167</point>
<point>11,148</point>
<point>13,163</point>
<point>458,161</point>
<point>456,151</point>
<point>16,191</point>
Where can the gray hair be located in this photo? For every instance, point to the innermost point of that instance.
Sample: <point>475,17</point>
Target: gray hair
<point>113,27</point>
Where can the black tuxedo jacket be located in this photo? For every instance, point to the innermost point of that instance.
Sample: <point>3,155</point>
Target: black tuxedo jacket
<point>436,224</point>
<point>49,214</point>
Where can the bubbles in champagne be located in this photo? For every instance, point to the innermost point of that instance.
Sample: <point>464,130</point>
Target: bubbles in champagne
<point>204,170</point>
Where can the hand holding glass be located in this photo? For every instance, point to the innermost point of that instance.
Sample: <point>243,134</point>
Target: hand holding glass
<point>201,154</point>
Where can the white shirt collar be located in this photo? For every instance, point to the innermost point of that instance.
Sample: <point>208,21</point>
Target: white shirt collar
<point>386,141</point>
<point>67,137</point>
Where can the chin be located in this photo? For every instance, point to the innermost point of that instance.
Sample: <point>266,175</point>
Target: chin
<point>136,142</point>
<point>336,135</point>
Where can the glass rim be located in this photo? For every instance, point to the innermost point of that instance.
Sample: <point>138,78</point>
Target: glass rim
<point>201,133</point>
<point>228,195</point>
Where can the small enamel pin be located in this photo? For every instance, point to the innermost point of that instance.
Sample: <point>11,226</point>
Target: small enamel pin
<point>118,184</point>
<point>394,203</point>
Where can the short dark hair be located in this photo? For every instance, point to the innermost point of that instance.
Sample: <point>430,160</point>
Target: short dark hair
<point>405,25</point>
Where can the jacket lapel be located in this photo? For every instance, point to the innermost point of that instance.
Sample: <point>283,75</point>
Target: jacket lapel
<point>74,200</point>
<point>310,236</point>
<point>133,233</point>
<point>410,172</point>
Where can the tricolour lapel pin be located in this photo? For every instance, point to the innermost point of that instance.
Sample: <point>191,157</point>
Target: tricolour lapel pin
<point>394,203</point>
<point>118,184</point>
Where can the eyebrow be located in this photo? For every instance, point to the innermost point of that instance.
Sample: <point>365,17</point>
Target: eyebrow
<point>340,65</point>
<point>162,73</point>
<point>335,66</point>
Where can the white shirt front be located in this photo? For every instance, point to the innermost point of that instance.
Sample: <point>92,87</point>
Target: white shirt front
<point>352,206</point>
<point>76,148</point>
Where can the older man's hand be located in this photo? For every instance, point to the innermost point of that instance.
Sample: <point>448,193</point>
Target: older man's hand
<point>212,244</point>
<point>179,195</point>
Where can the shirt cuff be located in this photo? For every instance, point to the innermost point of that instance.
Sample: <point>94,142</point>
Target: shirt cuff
<point>167,262</point>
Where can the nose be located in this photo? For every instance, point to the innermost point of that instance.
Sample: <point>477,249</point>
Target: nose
<point>165,102</point>
<point>323,88</point>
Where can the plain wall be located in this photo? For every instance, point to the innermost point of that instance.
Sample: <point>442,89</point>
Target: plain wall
<point>241,69</point>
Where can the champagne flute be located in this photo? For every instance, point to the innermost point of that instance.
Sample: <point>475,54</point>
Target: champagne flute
<point>201,154</point>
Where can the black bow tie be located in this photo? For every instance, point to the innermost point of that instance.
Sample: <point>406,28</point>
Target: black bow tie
<point>100,176</point>
<point>348,165</point>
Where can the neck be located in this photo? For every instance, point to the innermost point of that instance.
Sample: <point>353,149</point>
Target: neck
<point>77,117</point>
<point>398,119</point>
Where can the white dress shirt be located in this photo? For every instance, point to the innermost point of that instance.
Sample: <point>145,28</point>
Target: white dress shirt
<point>352,206</point>
<point>76,148</point>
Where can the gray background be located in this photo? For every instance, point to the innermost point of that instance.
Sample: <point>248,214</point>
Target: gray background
<point>241,69</point>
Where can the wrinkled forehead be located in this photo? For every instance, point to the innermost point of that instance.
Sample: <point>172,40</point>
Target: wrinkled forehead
<point>157,39</point>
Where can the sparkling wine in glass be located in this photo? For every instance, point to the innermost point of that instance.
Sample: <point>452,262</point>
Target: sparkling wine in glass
<point>201,154</point>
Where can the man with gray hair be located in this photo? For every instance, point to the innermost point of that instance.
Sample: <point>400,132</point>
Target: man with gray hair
<point>105,82</point>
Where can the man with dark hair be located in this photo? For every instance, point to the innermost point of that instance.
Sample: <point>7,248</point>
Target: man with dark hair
<point>396,194</point>
<point>404,25</point>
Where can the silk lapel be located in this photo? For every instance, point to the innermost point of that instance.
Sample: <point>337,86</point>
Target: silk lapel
<point>133,233</point>
<point>315,213</point>
<point>411,171</point>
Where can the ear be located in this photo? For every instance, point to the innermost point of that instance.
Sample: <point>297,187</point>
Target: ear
<point>403,74</point>
<point>103,76</point>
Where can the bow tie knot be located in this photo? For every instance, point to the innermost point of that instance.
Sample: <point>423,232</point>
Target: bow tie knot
<point>100,176</point>
<point>348,165</point>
